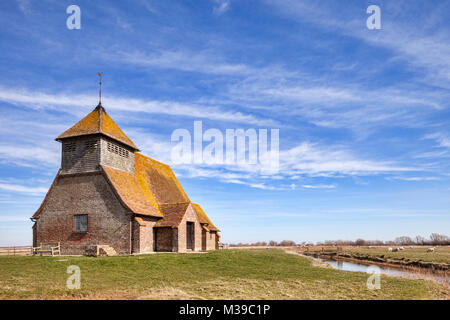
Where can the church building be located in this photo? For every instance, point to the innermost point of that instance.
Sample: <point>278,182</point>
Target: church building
<point>108,195</point>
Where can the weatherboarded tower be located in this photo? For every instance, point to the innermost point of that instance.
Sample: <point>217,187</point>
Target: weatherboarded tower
<point>108,195</point>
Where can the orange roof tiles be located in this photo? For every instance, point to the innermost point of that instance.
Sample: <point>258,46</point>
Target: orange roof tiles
<point>154,187</point>
<point>140,221</point>
<point>203,218</point>
<point>173,214</point>
<point>158,181</point>
<point>98,121</point>
<point>130,192</point>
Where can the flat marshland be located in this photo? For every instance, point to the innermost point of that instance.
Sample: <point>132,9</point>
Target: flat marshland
<point>440,255</point>
<point>223,274</point>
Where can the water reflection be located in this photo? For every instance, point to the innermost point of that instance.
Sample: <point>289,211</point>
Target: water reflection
<point>359,267</point>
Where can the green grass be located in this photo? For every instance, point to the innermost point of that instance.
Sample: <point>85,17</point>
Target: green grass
<point>441,254</point>
<point>224,274</point>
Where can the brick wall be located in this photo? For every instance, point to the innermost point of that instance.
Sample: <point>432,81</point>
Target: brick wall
<point>109,222</point>
<point>211,240</point>
<point>143,236</point>
<point>190,216</point>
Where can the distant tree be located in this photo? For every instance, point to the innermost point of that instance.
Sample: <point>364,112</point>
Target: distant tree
<point>420,240</point>
<point>286,243</point>
<point>404,240</point>
<point>439,239</point>
<point>360,242</point>
<point>273,243</point>
<point>378,243</point>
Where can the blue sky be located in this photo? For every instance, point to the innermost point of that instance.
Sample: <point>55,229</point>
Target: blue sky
<point>363,114</point>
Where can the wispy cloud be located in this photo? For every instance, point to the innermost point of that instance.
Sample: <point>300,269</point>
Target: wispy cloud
<point>23,189</point>
<point>37,99</point>
<point>29,155</point>
<point>182,60</point>
<point>319,186</point>
<point>221,6</point>
<point>307,159</point>
<point>414,43</point>
<point>314,159</point>
<point>441,138</point>
<point>24,6</point>
<point>413,178</point>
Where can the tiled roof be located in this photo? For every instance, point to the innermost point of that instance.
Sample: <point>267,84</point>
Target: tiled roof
<point>173,214</point>
<point>140,221</point>
<point>153,190</point>
<point>203,218</point>
<point>158,181</point>
<point>98,121</point>
<point>129,191</point>
<point>162,188</point>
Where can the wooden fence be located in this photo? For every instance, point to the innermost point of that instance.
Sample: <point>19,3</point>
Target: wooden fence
<point>16,251</point>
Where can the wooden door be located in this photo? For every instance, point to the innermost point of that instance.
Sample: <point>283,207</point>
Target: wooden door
<point>155,239</point>
<point>190,235</point>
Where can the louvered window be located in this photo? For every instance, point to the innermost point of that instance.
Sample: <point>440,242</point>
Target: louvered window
<point>90,144</point>
<point>70,147</point>
<point>118,150</point>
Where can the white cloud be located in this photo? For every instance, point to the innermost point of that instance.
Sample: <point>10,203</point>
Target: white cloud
<point>413,178</point>
<point>221,7</point>
<point>183,60</point>
<point>23,189</point>
<point>24,6</point>
<point>304,160</point>
<point>319,186</point>
<point>314,159</point>
<point>38,99</point>
<point>29,155</point>
<point>441,138</point>
<point>422,47</point>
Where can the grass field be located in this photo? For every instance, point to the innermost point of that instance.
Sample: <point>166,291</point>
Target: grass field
<point>441,254</point>
<point>224,274</point>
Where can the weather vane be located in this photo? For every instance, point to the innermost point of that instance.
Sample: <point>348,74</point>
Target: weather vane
<point>100,88</point>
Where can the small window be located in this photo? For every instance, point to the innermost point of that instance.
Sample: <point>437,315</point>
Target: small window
<point>81,223</point>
